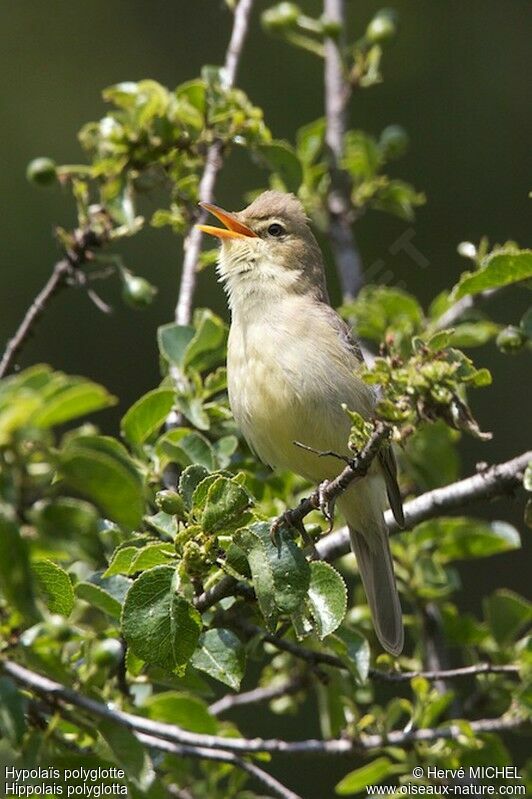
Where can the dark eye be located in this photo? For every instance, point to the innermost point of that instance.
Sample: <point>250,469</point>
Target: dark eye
<point>276,230</point>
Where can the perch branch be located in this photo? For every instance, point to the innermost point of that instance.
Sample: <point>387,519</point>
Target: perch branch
<point>230,701</point>
<point>62,695</point>
<point>337,94</point>
<point>213,164</point>
<point>495,481</point>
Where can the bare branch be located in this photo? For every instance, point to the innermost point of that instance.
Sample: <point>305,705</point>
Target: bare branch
<point>213,164</point>
<point>315,658</point>
<point>62,695</point>
<point>55,282</point>
<point>492,482</point>
<point>230,701</point>
<point>203,753</point>
<point>337,93</point>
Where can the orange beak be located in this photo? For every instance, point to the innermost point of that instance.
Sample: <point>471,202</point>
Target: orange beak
<point>233,228</point>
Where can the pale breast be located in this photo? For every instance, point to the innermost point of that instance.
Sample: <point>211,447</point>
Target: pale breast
<point>289,373</point>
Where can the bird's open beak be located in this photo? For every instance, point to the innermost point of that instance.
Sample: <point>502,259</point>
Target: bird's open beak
<point>233,228</point>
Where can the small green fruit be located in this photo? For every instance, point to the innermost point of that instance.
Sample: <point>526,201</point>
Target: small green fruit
<point>171,502</point>
<point>284,15</point>
<point>107,652</point>
<point>42,171</point>
<point>382,27</point>
<point>394,141</point>
<point>511,340</point>
<point>137,292</point>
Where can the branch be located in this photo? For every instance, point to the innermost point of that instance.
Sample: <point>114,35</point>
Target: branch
<point>203,753</point>
<point>55,282</point>
<point>213,164</point>
<point>62,695</point>
<point>328,492</point>
<point>230,701</point>
<point>314,658</point>
<point>337,93</point>
<point>494,481</point>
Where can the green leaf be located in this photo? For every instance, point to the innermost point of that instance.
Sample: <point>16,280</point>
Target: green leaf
<point>72,402</point>
<point>147,415</point>
<point>431,455</point>
<point>15,574</point>
<point>129,753</point>
<point>225,507</point>
<point>173,342</point>
<point>327,597</point>
<point>281,159</point>
<point>370,774</point>
<point>354,651</point>
<point>12,712</point>
<point>121,561</point>
<point>206,347</point>
<point>186,711</point>
<point>473,334</point>
<point>221,655</point>
<point>461,538</point>
<point>498,269</point>
<point>105,593</point>
<point>186,447</point>
<point>159,624</point>
<point>310,140</point>
<point>281,574</point>
<point>55,584</point>
<point>189,481</point>
<point>156,554</point>
<point>100,469</point>
<point>507,614</point>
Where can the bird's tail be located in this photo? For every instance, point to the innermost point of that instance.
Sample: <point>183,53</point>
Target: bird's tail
<point>363,507</point>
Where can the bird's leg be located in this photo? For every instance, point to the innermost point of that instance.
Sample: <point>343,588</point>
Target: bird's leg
<point>326,504</point>
<point>290,519</point>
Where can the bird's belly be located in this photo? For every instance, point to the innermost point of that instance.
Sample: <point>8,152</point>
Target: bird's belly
<point>286,391</point>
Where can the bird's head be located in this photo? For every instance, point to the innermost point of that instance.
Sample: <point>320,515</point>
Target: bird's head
<point>268,249</point>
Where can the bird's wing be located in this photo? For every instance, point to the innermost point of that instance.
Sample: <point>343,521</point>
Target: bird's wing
<point>386,456</point>
<point>389,468</point>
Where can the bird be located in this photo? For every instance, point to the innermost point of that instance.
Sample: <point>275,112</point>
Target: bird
<point>292,367</point>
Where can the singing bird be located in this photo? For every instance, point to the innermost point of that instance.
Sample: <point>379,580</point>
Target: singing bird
<point>291,364</point>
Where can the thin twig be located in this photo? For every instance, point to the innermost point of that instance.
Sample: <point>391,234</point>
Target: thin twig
<point>315,658</point>
<point>213,164</point>
<point>203,753</point>
<point>337,93</point>
<point>60,694</point>
<point>55,282</point>
<point>257,695</point>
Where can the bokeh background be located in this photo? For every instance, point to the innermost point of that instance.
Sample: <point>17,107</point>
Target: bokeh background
<point>457,79</point>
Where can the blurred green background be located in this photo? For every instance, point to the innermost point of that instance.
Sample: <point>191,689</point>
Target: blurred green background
<point>456,79</point>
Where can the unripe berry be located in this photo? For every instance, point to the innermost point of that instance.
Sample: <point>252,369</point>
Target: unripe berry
<point>382,27</point>
<point>394,141</point>
<point>511,340</point>
<point>137,292</point>
<point>171,502</point>
<point>107,652</point>
<point>42,171</point>
<point>284,15</point>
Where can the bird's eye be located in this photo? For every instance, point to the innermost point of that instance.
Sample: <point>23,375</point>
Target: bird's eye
<point>276,230</point>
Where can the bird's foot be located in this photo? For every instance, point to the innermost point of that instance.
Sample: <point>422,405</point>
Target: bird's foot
<point>326,505</point>
<point>287,519</point>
